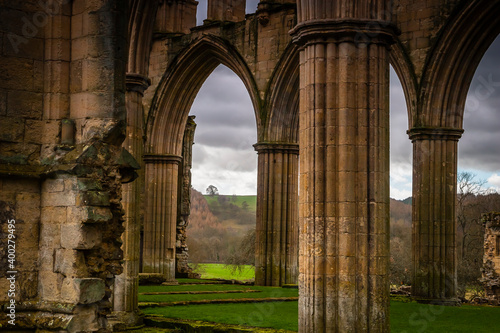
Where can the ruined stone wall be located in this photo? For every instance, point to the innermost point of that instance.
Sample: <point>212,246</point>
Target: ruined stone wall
<point>491,258</point>
<point>420,23</point>
<point>226,10</point>
<point>62,121</point>
<point>261,45</point>
<point>20,202</point>
<point>258,50</point>
<point>22,133</point>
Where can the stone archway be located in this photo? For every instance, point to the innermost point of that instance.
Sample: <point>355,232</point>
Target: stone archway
<point>165,130</point>
<point>277,190</point>
<point>436,125</point>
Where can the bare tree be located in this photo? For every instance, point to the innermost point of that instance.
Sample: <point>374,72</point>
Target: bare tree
<point>212,190</point>
<point>468,189</point>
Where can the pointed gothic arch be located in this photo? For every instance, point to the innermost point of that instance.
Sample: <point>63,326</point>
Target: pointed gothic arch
<point>436,127</point>
<point>180,85</point>
<point>282,100</point>
<point>453,61</point>
<point>406,73</point>
<point>277,189</point>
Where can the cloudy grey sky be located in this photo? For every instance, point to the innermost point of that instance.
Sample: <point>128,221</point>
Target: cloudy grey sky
<point>223,154</point>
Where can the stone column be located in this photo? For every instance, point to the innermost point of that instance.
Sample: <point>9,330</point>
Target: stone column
<point>434,226</point>
<point>276,261</point>
<point>182,269</point>
<point>344,166</point>
<point>160,218</point>
<point>126,284</point>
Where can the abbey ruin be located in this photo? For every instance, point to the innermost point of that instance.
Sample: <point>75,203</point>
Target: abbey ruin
<point>94,104</point>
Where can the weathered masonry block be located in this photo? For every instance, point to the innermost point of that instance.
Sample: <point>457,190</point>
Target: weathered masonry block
<point>491,259</point>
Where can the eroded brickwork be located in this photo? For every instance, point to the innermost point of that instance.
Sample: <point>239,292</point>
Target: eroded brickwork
<point>491,258</point>
<point>61,162</point>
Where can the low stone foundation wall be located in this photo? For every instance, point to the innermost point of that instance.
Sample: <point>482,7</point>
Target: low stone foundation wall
<point>491,259</point>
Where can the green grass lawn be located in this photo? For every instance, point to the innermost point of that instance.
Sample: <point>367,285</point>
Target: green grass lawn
<point>238,200</point>
<point>196,287</point>
<point>405,317</point>
<point>277,315</point>
<point>264,292</point>
<point>414,317</point>
<point>221,271</point>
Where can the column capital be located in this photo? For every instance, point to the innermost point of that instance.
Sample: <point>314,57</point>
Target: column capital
<point>162,158</point>
<point>137,82</point>
<point>345,30</point>
<point>434,133</point>
<point>272,147</point>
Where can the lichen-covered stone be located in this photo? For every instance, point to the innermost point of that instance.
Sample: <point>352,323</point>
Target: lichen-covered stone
<point>82,290</point>
<point>491,258</point>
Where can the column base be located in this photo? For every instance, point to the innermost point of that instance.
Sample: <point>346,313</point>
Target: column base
<point>123,320</point>
<point>437,301</point>
<point>154,279</point>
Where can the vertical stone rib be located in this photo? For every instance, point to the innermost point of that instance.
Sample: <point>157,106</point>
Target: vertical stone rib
<point>344,149</point>
<point>161,214</point>
<point>126,284</point>
<point>276,238</point>
<point>310,10</point>
<point>57,66</point>
<point>434,193</point>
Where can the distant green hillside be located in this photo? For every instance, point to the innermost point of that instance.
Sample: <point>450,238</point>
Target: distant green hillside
<point>407,201</point>
<point>236,200</point>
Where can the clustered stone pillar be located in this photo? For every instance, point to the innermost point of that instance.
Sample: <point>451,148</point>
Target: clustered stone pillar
<point>126,284</point>
<point>344,166</point>
<point>182,268</point>
<point>276,261</point>
<point>160,219</point>
<point>434,200</point>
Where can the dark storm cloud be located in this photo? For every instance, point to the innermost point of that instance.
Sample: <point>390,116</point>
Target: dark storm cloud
<point>401,147</point>
<point>224,112</point>
<point>218,136</point>
<point>479,146</point>
<point>227,128</point>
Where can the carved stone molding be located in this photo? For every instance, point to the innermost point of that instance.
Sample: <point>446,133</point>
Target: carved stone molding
<point>430,133</point>
<point>345,30</point>
<point>137,82</point>
<point>268,147</point>
<point>162,158</point>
